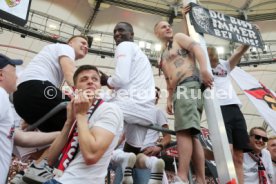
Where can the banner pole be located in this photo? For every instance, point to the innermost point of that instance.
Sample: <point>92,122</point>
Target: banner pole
<point>221,149</point>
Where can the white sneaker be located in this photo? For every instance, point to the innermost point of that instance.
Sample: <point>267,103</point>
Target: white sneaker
<point>36,175</point>
<point>127,166</point>
<point>177,180</point>
<point>157,172</point>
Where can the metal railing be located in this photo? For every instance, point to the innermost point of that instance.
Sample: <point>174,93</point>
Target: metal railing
<point>49,28</point>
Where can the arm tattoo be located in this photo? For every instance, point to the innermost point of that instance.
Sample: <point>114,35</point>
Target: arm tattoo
<point>192,45</point>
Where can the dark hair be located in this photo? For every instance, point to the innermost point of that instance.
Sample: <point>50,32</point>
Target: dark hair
<point>251,132</point>
<point>83,68</point>
<point>130,28</point>
<point>77,36</point>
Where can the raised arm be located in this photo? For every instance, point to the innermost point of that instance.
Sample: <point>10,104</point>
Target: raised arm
<point>94,141</point>
<point>184,11</point>
<point>236,56</point>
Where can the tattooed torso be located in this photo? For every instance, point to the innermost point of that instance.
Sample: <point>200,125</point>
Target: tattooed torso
<point>177,64</point>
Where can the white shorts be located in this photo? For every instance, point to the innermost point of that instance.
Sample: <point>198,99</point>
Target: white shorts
<point>142,114</point>
<point>135,134</point>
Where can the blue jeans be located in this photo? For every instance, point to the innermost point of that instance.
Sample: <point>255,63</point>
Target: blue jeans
<point>140,176</point>
<point>52,181</point>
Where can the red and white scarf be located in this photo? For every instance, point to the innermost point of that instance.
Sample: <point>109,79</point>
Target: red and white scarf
<point>261,169</point>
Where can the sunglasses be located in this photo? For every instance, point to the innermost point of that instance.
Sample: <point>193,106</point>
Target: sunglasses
<point>258,137</point>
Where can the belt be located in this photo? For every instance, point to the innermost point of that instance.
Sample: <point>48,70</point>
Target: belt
<point>189,79</point>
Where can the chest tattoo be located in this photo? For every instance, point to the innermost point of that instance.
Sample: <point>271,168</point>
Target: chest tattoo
<point>179,62</point>
<point>182,52</point>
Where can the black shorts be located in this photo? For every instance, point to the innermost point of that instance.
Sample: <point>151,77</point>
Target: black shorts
<point>33,99</point>
<point>235,126</point>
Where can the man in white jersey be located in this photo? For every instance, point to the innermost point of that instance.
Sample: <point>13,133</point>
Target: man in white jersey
<point>96,131</point>
<point>257,164</point>
<point>133,84</point>
<point>38,90</point>
<point>234,121</point>
<point>7,126</point>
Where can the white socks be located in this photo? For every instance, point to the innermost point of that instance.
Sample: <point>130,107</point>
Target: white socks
<point>157,170</point>
<point>156,167</point>
<point>127,161</point>
<point>117,156</point>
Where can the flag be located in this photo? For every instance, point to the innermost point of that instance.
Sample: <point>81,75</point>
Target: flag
<point>259,95</point>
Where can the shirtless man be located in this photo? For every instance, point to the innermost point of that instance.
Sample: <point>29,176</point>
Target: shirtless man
<point>183,84</point>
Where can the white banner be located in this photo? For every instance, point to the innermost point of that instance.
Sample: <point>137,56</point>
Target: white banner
<point>261,97</point>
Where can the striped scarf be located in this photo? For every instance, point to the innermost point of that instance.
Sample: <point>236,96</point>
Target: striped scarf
<point>261,168</point>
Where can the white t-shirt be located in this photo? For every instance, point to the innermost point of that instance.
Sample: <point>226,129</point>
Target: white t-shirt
<point>45,65</point>
<point>153,135</point>
<point>6,134</point>
<point>274,168</point>
<point>225,92</point>
<point>133,81</point>
<point>17,118</point>
<point>108,116</point>
<point>250,168</point>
